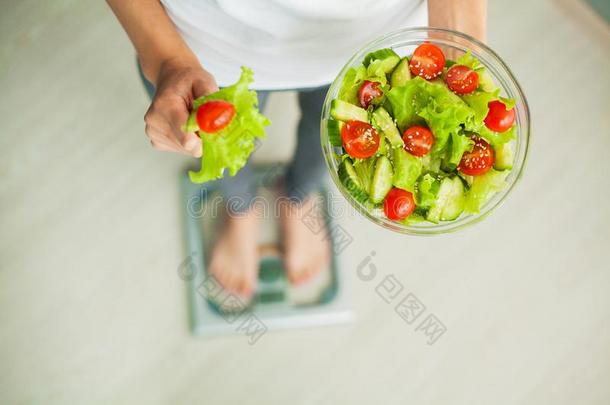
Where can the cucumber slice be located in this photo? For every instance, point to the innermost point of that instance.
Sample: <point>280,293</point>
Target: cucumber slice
<point>504,157</point>
<point>343,111</point>
<point>383,147</point>
<point>454,205</point>
<point>350,180</point>
<point>436,211</point>
<point>364,169</point>
<point>334,132</point>
<point>450,201</point>
<point>383,120</point>
<point>387,58</point>
<point>382,179</point>
<point>401,73</point>
<point>407,169</point>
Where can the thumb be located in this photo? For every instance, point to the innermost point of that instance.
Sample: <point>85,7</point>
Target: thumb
<point>203,87</point>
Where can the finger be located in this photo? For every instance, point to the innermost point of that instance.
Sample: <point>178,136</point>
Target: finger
<point>160,146</point>
<point>162,135</point>
<point>160,141</point>
<point>192,143</point>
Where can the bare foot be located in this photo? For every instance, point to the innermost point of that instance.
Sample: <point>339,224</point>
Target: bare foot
<point>234,258</point>
<point>306,253</point>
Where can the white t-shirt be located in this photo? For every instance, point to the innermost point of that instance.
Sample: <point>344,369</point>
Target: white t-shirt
<point>290,44</point>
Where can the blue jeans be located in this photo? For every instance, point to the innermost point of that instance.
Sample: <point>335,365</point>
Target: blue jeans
<point>304,174</point>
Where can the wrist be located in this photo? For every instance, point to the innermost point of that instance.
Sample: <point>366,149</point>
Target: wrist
<point>155,72</point>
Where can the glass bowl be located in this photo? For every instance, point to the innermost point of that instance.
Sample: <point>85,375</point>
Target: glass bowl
<point>454,44</point>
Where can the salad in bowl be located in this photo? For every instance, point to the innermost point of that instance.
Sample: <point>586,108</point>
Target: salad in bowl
<point>425,130</point>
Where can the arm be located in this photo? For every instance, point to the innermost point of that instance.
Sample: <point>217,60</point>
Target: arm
<point>468,16</point>
<point>171,66</point>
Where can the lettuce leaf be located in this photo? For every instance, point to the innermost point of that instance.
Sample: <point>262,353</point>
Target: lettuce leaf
<point>459,144</point>
<point>483,188</point>
<point>468,60</point>
<point>230,147</point>
<point>351,82</point>
<point>406,102</point>
<point>496,139</point>
<point>486,83</point>
<point>353,79</point>
<point>479,101</point>
<point>444,112</point>
<point>427,190</point>
<point>445,115</point>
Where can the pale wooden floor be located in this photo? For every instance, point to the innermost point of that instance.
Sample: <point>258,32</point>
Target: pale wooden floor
<point>92,309</point>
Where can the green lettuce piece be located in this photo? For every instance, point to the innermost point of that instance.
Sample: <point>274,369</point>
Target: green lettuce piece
<point>407,169</point>
<point>230,147</point>
<point>479,101</point>
<point>444,112</point>
<point>459,144</point>
<point>353,79</point>
<point>431,164</point>
<point>413,219</point>
<point>351,82</point>
<point>497,139</point>
<point>483,188</point>
<point>406,102</point>
<point>508,102</point>
<point>486,83</point>
<point>427,190</point>
<point>468,60</point>
<point>376,72</point>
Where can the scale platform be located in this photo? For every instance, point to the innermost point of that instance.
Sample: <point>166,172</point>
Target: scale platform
<point>276,304</point>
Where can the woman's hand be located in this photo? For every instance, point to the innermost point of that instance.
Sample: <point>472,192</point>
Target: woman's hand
<point>469,16</point>
<point>178,84</point>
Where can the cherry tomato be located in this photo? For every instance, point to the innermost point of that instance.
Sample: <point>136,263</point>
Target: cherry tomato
<point>398,204</point>
<point>215,115</point>
<point>461,79</point>
<point>368,93</point>
<point>360,140</point>
<point>498,118</point>
<point>427,61</point>
<point>418,140</point>
<point>479,160</point>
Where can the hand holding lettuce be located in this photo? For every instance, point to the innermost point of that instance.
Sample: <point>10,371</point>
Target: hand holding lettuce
<point>228,122</point>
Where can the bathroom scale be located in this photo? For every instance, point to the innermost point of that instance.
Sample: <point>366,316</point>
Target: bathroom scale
<point>276,304</point>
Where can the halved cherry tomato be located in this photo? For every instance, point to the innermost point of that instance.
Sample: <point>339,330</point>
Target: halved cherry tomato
<point>461,79</point>
<point>418,140</point>
<point>427,61</point>
<point>360,139</point>
<point>398,204</point>
<point>479,160</point>
<point>215,115</point>
<point>498,118</point>
<point>369,92</point>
